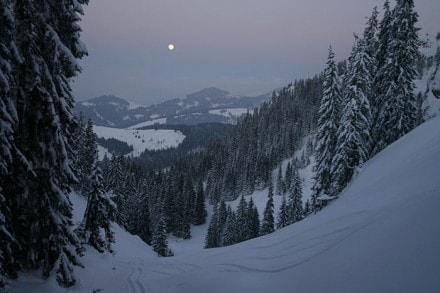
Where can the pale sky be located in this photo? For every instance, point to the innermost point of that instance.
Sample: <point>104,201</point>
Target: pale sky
<point>246,47</point>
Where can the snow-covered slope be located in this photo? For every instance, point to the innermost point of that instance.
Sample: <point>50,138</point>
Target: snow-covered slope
<point>141,140</point>
<point>381,235</point>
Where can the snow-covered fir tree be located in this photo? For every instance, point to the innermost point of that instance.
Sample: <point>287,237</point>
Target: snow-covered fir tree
<point>159,241</point>
<point>253,220</point>
<point>354,141</point>
<point>287,176</point>
<point>199,213</point>
<point>397,110</point>
<point>294,205</point>
<point>283,216</point>
<point>280,183</point>
<point>99,213</point>
<point>87,156</point>
<point>100,210</point>
<point>328,124</point>
<point>229,232</point>
<point>268,224</point>
<point>46,46</point>
<point>211,238</point>
<point>242,220</point>
<point>216,225</point>
<point>370,40</point>
<point>8,243</point>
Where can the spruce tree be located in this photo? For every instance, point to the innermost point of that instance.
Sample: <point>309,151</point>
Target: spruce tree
<point>99,213</point>
<point>159,241</point>
<point>370,40</point>
<point>47,41</point>
<point>283,216</point>
<point>199,213</point>
<point>221,219</point>
<point>242,220</point>
<point>229,232</point>
<point>396,106</point>
<point>87,158</point>
<point>294,204</point>
<point>287,177</point>
<point>212,235</point>
<point>328,124</point>
<point>354,141</point>
<point>280,183</point>
<point>253,220</point>
<point>268,224</point>
<point>8,243</point>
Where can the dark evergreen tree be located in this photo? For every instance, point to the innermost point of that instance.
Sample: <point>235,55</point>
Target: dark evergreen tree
<point>383,40</point>
<point>294,204</point>
<point>8,243</point>
<point>159,241</point>
<point>288,175</point>
<point>221,219</point>
<point>396,105</point>
<point>354,141</point>
<point>242,220</point>
<point>199,213</point>
<point>283,216</point>
<point>144,223</point>
<point>183,216</point>
<point>268,224</point>
<point>280,183</point>
<point>98,215</point>
<point>307,208</point>
<point>87,153</point>
<point>328,124</point>
<point>229,232</point>
<point>47,43</point>
<point>371,48</point>
<point>212,236</point>
<point>253,220</point>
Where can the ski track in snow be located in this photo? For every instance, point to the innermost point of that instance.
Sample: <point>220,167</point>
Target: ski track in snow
<point>322,245</point>
<point>136,274</point>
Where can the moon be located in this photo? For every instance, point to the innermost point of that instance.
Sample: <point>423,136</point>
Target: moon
<point>171,47</point>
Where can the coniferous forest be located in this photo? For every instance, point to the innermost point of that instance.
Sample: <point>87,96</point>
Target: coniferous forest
<point>342,117</point>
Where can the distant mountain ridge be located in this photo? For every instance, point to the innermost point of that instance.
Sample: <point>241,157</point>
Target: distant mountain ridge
<point>210,105</point>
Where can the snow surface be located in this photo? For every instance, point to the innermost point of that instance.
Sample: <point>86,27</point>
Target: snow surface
<point>88,104</point>
<point>133,106</point>
<point>381,235</point>
<point>142,140</point>
<point>234,112</point>
<point>149,123</point>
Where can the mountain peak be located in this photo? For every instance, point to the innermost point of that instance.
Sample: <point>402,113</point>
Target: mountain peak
<point>211,92</point>
<point>209,105</point>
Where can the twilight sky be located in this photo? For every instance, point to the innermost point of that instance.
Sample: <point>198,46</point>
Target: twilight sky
<point>246,47</point>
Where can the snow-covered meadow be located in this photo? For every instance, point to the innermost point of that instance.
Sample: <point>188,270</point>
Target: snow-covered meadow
<point>141,140</point>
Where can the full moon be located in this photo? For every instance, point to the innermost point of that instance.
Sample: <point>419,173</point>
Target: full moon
<point>171,47</point>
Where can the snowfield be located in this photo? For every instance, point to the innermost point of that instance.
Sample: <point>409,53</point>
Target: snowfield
<point>142,140</point>
<point>149,123</point>
<point>381,235</point>
<point>233,113</point>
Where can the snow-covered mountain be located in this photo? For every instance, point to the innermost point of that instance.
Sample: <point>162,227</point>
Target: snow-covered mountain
<point>381,235</point>
<point>205,106</point>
